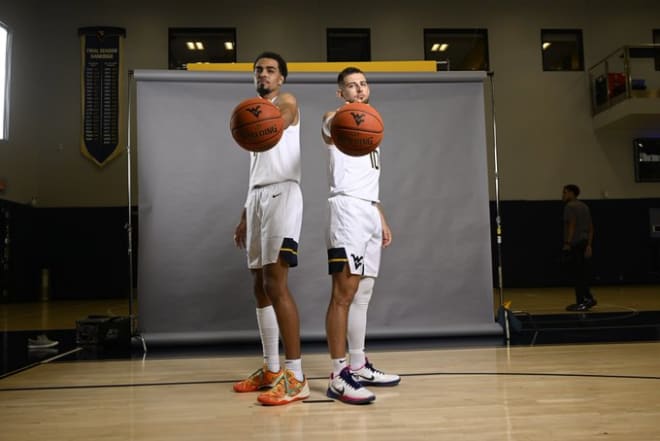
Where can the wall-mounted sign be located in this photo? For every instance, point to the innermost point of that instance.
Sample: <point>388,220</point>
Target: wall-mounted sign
<point>101,105</point>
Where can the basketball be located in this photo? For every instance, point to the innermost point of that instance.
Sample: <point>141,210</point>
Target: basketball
<point>357,129</point>
<point>256,124</point>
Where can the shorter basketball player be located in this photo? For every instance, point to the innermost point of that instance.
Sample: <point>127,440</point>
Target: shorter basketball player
<point>356,233</point>
<point>269,229</point>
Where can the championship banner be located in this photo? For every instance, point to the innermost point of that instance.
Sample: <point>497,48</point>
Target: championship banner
<point>101,105</point>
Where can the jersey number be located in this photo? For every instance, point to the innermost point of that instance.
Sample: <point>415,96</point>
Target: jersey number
<point>375,159</point>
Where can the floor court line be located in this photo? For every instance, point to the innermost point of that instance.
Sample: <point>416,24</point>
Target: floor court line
<point>426,374</point>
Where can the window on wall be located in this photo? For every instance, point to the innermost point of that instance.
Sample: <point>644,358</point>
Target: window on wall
<point>562,49</point>
<point>5,41</point>
<point>348,44</point>
<point>201,45</point>
<point>457,49</point>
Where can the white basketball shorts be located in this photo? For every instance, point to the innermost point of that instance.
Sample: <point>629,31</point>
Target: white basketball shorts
<point>354,236</point>
<point>274,219</point>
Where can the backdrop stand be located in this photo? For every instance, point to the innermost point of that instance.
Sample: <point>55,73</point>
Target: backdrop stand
<point>135,335</point>
<point>498,218</point>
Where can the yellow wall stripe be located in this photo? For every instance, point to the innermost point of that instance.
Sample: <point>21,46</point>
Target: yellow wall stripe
<point>334,66</point>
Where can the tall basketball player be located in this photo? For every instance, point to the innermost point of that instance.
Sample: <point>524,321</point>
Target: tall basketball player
<point>357,231</point>
<point>269,230</point>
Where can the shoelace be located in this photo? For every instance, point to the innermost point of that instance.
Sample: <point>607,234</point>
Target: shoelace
<point>373,369</point>
<point>287,384</point>
<point>279,386</point>
<point>259,373</point>
<point>348,378</point>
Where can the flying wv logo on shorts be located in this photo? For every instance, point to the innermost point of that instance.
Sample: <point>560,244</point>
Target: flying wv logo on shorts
<point>256,111</point>
<point>357,261</point>
<point>358,117</point>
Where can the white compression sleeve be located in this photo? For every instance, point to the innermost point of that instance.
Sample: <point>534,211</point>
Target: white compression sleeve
<point>357,322</point>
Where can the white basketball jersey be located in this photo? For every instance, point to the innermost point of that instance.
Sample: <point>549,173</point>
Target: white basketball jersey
<point>356,176</point>
<point>280,163</point>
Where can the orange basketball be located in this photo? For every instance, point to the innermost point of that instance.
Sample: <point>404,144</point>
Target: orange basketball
<point>357,129</point>
<point>256,124</point>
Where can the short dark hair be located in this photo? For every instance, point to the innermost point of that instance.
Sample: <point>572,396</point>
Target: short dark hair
<point>346,72</point>
<point>281,64</point>
<point>573,189</point>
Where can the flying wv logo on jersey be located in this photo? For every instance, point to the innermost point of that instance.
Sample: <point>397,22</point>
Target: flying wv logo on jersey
<point>357,261</point>
<point>256,111</point>
<point>358,117</point>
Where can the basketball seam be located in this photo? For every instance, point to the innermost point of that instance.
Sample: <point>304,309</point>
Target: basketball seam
<point>354,129</point>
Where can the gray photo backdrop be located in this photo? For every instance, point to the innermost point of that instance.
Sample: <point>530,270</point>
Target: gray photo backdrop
<point>193,284</point>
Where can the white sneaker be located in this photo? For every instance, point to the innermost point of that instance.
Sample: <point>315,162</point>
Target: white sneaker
<point>41,342</point>
<point>343,387</point>
<point>371,376</point>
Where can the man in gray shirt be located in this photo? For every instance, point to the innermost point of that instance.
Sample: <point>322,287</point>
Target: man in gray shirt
<point>578,237</point>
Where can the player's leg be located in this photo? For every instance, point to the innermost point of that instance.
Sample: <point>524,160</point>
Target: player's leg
<point>266,376</point>
<point>283,217</point>
<point>275,283</point>
<point>360,366</point>
<point>342,384</point>
<point>269,330</point>
<point>344,287</point>
<point>357,323</point>
<point>345,265</point>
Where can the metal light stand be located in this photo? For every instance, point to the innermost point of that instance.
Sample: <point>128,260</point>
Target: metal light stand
<point>498,219</point>
<point>129,225</point>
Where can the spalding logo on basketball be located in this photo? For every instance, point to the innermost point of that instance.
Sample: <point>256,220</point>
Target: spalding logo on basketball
<point>256,124</point>
<point>357,129</point>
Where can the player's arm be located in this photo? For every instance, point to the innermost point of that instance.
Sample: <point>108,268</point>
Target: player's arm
<point>387,232</point>
<point>325,127</point>
<point>588,252</point>
<point>240,233</point>
<point>569,228</point>
<point>288,106</point>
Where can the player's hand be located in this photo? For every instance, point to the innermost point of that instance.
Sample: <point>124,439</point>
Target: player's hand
<point>240,233</point>
<point>387,235</point>
<point>588,252</point>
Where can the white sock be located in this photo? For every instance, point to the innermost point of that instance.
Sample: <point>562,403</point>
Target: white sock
<point>338,364</point>
<point>357,322</point>
<point>270,337</point>
<point>358,359</point>
<point>295,366</point>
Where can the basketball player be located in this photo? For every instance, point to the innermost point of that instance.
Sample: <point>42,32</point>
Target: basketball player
<point>269,229</point>
<point>357,231</point>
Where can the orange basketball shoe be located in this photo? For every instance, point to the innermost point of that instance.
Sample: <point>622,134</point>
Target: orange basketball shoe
<point>262,378</point>
<point>287,389</point>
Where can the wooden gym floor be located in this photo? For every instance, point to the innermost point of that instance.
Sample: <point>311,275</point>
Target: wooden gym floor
<point>568,392</point>
<point>553,392</point>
